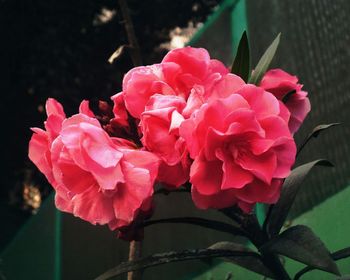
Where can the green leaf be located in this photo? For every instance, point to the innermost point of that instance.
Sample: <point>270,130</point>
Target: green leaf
<point>279,212</point>
<point>253,263</point>
<point>163,258</point>
<point>315,132</point>
<point>241,63</point>
<point>264,62</point>
<point>338,255</point>
<point>301,244</point>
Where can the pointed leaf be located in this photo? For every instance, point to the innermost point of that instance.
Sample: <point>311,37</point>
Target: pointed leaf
<point>338,255</point>
<point>279,212</point>
<point>253,263</point>
<point>264,62</point>
<point>301,244</point>
<point>241,63</point>
<point>158,259</point>
<point>315,132</point>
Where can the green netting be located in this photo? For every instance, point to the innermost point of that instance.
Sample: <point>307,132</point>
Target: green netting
<point>34,253</point>
<point>312,47</point>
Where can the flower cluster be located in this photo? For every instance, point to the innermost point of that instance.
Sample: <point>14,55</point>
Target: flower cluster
<point>185,119</point>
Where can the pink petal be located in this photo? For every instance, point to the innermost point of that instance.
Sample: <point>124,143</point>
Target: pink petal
<point>206,176</point>
<point>144,160</point>
<point>234,177</point>
<point>262,166</point>
<point>158,101</point>
<point>258,191</point>
<point>285,157</point>
<point>54,108</point>
<point>217,66</point>
<point>227,86</point>
<point>176,120</point>
<point>85,109</point>
<point>194,101</point>
<point>39,153</point>
<point>261,102</point>
<point>137,188</point>
<point>191,60</point>
<point>173,176</point>
<point>222,199</point>
<point>93,206</point>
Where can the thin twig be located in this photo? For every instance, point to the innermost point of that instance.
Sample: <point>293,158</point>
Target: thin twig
<point>169,257</point>
<point>134,254</point>
<point>167,191</point>
<point>212,224</point>
<point>135,246</point>
<point>130,32</point>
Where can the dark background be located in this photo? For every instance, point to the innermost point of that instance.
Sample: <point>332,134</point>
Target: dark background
<point>59,49</point>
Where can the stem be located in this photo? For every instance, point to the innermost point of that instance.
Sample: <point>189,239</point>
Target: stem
<point>135,246</point>
<point>169,257</point>
<point>220,226</point>
<point>130,32</point>
<point>258,237</point>
<point>167,192</point>
<point>273,262</point>
<point>134,254</point>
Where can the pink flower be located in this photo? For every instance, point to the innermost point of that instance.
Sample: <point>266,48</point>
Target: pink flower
<point>162,96</point>
<point>180,71</point>
<point>279,83</point>
<point>140,83</point>
<point>160,128</point>
<point>194,68</point>
<point>242,149</point>
<point>100,179</point>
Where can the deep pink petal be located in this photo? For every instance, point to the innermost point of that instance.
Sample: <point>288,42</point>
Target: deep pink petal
<point>222,199</point>
<point>235,177</point>
<point>173,176</point>
<point>262,166</point>
<point>206,176</point>
<point>258,191</point>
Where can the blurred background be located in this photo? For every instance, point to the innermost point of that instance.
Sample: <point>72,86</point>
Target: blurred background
<point>60,49</point>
